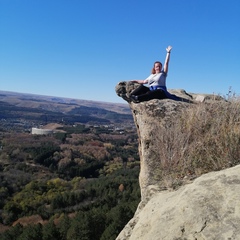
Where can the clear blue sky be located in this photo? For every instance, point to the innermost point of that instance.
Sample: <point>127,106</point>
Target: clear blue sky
<point>83,48</point>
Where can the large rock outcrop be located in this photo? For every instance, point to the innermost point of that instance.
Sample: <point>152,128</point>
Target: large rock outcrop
<point>152,118</point>
<point>205,208</point>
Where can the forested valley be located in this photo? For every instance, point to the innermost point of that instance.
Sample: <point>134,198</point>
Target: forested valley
<point>81,182</point>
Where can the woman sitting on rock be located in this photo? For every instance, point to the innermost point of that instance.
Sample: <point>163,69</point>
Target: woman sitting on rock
<point>156,81</point>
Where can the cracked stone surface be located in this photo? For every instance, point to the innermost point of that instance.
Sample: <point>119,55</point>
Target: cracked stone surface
<point>206,209</point>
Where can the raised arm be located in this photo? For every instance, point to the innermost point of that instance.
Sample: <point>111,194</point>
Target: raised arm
<point>165,67</point>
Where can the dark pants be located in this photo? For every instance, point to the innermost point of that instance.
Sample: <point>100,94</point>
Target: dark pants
<point>145,94</point>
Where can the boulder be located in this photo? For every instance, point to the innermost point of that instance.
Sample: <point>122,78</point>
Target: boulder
<point>206,209</point>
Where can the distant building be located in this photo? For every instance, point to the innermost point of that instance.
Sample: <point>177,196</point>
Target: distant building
<point>40,131</point>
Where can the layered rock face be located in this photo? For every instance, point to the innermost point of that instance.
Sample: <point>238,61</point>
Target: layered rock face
<point>206,208</point>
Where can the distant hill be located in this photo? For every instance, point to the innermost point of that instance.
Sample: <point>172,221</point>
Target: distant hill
<point>35,101</point>
<point>56,109</point>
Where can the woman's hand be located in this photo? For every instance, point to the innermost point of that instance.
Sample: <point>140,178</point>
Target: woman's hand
<point>169,48</point>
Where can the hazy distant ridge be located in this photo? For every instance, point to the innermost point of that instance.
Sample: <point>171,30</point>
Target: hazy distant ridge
<point>55,109</point>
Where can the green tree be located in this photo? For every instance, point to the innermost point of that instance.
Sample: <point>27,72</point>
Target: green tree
<point>31,232</point>
<point>63,227</point>
<point>110,232</point>
<point>10,212</point>
<point>49,231</point>
<point>117,219</point>
<point>80,228</point>
<point>97,220</point>
<point>12,233</point>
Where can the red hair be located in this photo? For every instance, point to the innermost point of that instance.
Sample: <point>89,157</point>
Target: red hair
<point>153,69</point>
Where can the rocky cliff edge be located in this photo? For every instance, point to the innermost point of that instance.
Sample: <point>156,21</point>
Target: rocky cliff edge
<point>205,207</point>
